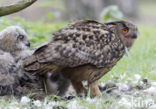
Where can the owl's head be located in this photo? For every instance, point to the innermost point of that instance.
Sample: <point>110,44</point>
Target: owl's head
<point>127,31</point>
<point>13,38</point>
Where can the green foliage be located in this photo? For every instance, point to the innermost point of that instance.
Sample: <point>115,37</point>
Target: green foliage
<point>111,13</point>
<point>55,8</point>
<point>50,15</point>
<point>38,32</point>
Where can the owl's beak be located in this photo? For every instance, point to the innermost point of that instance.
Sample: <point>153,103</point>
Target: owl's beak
<point>28,44</point>
<point>135,35</point>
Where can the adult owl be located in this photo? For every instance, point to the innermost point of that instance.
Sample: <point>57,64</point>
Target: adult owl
<point>85,50</point>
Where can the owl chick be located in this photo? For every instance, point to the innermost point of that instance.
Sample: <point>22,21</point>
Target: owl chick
<point>14,40</point>
<point>13,44</point>
<point>84,51</point>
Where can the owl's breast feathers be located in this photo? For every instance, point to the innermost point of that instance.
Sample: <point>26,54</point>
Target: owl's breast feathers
<point>86,42</point>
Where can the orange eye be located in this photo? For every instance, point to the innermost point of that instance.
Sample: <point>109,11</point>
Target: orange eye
<point>125,30</point>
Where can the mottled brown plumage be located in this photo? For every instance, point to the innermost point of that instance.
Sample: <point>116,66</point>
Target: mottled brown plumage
<point>85,50</point>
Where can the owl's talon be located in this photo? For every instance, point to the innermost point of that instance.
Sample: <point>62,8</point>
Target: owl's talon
<point>94,90</point>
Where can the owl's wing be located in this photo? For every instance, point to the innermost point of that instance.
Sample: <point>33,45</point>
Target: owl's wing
<point>85,42</point>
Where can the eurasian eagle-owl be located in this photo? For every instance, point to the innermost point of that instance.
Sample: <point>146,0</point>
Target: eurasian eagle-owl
<point>85,50</point>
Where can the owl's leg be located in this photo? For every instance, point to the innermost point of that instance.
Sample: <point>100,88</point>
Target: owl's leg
<point>78,86</point>
<point>94,89</point>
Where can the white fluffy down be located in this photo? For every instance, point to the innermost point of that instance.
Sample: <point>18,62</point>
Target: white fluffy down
<point>12,30</point>
<point>6,62</point>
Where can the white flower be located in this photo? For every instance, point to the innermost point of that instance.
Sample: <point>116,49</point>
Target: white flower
<point>13,107</point>
<point>102,84</point>
<point>153,84</point>
<point>25,99</point>
<point>37,103</point>
<point>137,76</point>
<point>124,102</point>
<point>90,100</point>
<point>14,103</point>
<point>122,76</point>
<point>123,86</point>
<point>72,105</point>
<point>75,105</point>
<point>151,90</point>
<point>152,107</point>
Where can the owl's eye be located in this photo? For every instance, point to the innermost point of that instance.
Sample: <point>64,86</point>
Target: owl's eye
<point>21,37</point>
<point>125,30</point>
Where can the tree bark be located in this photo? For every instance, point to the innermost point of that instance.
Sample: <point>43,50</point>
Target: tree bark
<point>6,10</point>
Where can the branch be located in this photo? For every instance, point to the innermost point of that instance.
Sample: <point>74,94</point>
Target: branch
<point>6,10</point>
